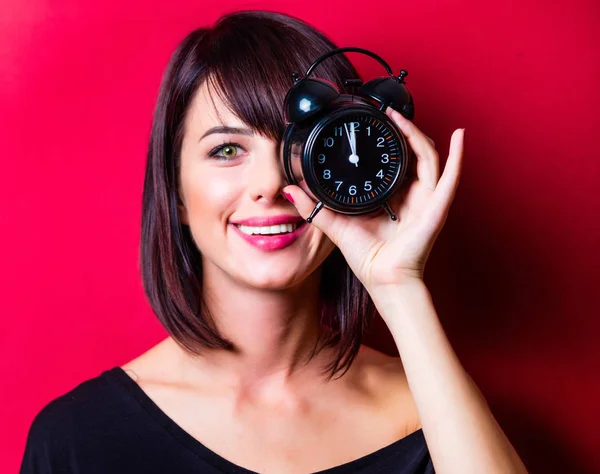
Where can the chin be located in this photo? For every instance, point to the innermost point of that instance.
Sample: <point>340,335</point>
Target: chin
<point>270,278</point>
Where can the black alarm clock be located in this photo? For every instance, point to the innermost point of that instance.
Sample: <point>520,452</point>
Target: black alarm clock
<point>350,154</point>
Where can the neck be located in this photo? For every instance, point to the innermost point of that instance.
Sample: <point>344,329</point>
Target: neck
<point>273,333</point>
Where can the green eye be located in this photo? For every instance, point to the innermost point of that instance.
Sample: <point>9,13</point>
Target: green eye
<point>227,151</point>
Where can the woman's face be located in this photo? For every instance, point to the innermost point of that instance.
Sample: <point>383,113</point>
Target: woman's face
<point>228,176</point>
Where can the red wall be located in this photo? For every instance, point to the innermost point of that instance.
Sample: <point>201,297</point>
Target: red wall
<point>513,274</point>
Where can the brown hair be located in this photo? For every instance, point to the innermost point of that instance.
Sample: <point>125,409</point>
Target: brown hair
<point>250,56</point>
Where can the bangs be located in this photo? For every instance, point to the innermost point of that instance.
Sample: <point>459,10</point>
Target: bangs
<point>250,63</point>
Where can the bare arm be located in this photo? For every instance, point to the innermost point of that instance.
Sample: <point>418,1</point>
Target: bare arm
<point>460,430</point>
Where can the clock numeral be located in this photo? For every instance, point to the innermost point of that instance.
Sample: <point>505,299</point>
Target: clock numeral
<point>339,132</point>
<point>329,141</point>
<point>380,141</point>
<point>338,184</point>
<point>321,158</point>
<point>368,186</point>
<point>385,158</point>
<point>356,126</point>
<point>327,174</point>
<point>380,174</point>
<point>352,190</point>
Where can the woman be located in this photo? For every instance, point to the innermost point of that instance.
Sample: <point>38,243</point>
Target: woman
<point>263,370</point>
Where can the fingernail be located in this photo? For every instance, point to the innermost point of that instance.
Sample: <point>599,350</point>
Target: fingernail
<point>288,197</point>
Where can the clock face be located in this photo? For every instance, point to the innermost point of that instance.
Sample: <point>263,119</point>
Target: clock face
<point>356,159</point>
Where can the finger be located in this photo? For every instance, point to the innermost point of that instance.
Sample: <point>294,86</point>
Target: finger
<point>428,167</point>
<point>326,220</point>
<point>448,183</point>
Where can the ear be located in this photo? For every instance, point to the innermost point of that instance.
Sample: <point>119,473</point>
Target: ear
<point>183,215</point>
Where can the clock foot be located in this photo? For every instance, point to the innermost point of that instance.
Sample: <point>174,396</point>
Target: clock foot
<point>314,212</point>
<point>388,209</point>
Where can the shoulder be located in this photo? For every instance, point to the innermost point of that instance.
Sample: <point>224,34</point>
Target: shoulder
<point>382,377</point>
<point>84,397</point>
<point>378,370</point>
<point>58,425</point>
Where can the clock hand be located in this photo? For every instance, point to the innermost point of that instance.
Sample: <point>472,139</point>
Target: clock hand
<point>349,139</point>
<point>355,156</point>
<point>352,139</point>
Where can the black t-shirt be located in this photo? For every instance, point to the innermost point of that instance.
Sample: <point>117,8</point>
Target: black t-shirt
<point>108,425</point>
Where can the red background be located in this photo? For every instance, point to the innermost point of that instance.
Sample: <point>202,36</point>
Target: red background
<point>513,273</point>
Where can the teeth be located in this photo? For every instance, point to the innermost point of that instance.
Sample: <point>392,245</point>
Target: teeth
<point>267,230</point>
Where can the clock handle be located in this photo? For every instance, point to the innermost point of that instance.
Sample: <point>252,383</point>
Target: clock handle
<point>388,209</point>
<point>314,212</point>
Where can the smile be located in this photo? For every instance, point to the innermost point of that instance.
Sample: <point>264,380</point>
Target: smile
<point>269,230</point>
<point>273,237</point>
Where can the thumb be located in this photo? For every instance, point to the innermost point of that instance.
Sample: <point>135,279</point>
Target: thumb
<point>326,220</point>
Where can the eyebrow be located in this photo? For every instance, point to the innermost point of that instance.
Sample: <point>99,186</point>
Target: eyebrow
<point>224,129</point>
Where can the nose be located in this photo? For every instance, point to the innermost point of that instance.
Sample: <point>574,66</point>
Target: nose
<point>266,177</point>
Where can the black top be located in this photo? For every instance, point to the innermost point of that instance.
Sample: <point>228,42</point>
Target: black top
<point>108,425</point>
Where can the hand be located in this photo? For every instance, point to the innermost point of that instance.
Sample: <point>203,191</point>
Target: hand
<point>383,252</point>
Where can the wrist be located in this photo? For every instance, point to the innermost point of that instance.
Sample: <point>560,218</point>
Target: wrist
<point>392,290</point>
<point>393,301</point>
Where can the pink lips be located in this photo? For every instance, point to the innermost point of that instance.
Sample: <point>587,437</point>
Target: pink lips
<point>271,242</point>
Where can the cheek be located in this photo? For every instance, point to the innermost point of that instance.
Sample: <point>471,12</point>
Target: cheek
<point>210,195</point>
